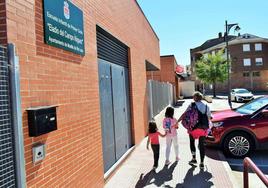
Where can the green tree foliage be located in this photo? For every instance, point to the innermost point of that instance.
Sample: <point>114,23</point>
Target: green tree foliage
<point>212,69</point>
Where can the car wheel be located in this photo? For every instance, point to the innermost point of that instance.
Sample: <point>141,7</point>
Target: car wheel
<point>238,145</point>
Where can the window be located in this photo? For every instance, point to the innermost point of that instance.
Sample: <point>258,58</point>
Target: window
<point>258,47</point>
<point>247,62</point>
<point>258,61</point>
<point>246,74</point>
<point>246,47</point>
<point>213,52</point>
<point>256,74</point>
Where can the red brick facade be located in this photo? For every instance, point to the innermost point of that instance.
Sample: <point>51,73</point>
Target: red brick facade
<point>167,72</point>
<point>256,83</point>
<point>3,23</point>
<point>51,76</point>
<point>154,75</point>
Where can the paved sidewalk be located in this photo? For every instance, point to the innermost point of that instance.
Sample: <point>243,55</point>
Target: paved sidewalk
<point>136,170</point>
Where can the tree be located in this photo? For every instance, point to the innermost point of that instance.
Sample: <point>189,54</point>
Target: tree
<point>212,69</point>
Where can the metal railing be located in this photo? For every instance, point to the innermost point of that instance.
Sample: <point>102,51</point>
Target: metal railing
<point>160,95</point>
<point>249,164</point>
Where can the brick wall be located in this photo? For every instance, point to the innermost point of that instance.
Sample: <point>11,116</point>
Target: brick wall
<point>50,76</point>
<point>153,75</point>
<point>168,65</point>
<point>251,82</point>
<point>3,25</point>
<point>166,72</point>
<point>237,55</point>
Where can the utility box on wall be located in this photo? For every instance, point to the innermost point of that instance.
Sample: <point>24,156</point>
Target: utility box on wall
<point>39,152</point>
<point>42,120</point>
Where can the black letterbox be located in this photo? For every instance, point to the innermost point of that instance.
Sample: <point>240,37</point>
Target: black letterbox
<point>42,120</point>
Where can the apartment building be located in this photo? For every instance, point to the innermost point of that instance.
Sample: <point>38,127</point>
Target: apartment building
<point>249,61</point>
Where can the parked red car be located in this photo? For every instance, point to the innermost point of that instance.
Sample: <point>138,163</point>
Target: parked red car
<point>240,131</point>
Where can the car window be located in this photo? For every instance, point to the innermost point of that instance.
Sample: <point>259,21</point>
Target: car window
<point>242,91</point>
<point>253,106</point>
<point>263,114</point>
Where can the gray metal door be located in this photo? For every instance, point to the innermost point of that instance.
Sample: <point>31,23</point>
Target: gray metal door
<point>114,96</point>
<point>127,110</point>
<point>120,110</point>
<point>107,119</point>
<point>7,148</point>
<point>115,117</point>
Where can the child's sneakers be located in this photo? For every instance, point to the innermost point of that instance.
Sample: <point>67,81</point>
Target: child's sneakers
<point>193,162</point>
<point>167,162</point>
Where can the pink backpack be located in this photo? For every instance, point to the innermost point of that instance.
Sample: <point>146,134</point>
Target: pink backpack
<point>191,117</point>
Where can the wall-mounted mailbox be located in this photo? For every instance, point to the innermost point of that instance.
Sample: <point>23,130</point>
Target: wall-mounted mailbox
<point>42,120</point>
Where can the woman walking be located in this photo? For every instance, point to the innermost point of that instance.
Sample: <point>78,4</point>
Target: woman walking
<point>199,130</point>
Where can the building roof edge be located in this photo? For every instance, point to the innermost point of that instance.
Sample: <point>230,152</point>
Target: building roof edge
<point>167,56</point>
<point>146,19</point>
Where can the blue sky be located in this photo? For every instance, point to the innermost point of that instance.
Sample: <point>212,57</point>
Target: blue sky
<point>184,24</point>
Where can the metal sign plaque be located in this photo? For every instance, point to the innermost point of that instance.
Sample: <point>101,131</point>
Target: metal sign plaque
<point>64,26</point>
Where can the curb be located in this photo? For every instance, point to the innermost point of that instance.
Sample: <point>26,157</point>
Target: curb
<point>109,174</point>
<point>228,169</point>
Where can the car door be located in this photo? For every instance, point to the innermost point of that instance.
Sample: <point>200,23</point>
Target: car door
<point>261,125</point>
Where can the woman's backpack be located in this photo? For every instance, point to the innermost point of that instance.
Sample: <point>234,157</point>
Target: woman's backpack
<point>191,117</point>
<point>203,122</point>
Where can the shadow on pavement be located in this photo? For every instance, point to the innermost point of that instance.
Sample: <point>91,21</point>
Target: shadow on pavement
<point>179,103</point>
<point>202,179</point>
<point>259,157</point>
<point>143,180</point>
<point>212,152</point>
<point>164,175</point>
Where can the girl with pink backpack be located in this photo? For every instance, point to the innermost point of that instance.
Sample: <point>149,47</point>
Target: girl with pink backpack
<point>170,124</point>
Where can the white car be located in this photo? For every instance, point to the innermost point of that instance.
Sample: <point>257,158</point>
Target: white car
<point>241,95</point>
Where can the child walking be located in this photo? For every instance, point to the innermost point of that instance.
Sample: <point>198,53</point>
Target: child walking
<point>170,124</point>
<point>153,138</point>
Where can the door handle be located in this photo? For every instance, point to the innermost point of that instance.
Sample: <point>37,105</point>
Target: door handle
<point>253,125</point>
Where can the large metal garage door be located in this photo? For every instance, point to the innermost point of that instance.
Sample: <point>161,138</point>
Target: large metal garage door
<point>7,148</point>
<point>114,97</point>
